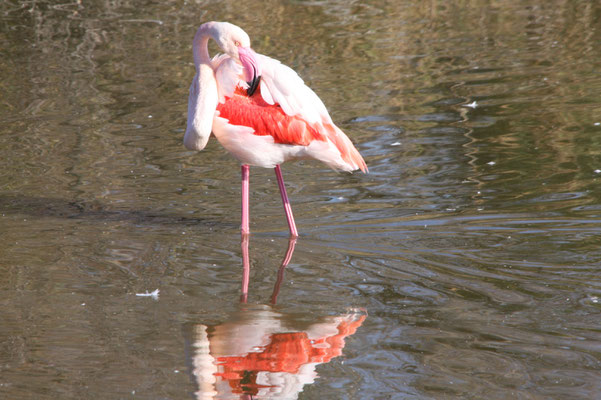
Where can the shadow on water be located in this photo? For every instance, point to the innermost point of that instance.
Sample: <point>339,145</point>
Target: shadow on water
<point>47,207</point>
<point>260,352</point>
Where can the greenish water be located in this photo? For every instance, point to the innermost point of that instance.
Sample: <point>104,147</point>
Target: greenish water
<point>468,258</point>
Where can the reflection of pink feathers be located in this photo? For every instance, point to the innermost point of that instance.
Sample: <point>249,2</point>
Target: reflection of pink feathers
<point>288,351</point>
<point>276,361</point>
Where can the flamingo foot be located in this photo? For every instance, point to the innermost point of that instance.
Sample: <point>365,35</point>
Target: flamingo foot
<point>286,202</point>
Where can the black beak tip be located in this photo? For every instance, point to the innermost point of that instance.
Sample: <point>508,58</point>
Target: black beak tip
<point>253,85</point>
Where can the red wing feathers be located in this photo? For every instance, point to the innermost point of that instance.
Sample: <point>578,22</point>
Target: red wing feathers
<point>267,119</point>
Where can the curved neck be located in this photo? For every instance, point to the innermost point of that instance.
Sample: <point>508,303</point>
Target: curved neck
<point>203,98</point>
<point>200,45</point>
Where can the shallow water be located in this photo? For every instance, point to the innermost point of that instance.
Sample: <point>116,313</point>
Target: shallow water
<point>464,265</point>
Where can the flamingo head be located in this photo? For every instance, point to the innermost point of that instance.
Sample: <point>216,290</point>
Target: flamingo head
<point>236,43</point>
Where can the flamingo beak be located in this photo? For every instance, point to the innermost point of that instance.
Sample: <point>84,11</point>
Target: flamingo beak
<point>252,70</point>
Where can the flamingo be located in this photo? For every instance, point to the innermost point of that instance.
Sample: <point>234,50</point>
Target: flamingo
<point>261,111</point>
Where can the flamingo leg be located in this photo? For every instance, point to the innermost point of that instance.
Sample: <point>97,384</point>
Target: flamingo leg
<point>245,269</point>
<point>287,208</point>
<point>245,214</point>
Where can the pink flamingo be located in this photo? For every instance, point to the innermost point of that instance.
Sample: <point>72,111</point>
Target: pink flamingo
<point>261,111</point>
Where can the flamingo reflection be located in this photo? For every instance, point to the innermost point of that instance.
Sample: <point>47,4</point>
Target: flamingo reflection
<point>262,353</point>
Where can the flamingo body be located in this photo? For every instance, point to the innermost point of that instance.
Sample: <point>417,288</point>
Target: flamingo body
<point>266,119</point>
<point>260,110</point>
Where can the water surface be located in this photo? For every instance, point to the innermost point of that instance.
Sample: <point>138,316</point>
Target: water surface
<point>464,265</point>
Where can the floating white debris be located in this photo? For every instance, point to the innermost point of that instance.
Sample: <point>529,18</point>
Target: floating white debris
<point>597,171</point>
<point>154,294</point>
<point>597,123</point>
<point>396,144</point>
<point>473,104</point>
<point>491,163</point>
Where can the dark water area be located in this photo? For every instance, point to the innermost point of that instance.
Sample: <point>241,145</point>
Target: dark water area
<point>464,265</point>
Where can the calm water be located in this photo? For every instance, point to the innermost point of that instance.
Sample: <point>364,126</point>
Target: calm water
<point>465,265</point>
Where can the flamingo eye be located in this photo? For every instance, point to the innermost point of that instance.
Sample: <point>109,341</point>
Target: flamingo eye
<point>236,43</point>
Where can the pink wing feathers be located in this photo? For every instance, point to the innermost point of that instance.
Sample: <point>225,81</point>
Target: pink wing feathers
<point>281,85</point>
<point>284,109</point>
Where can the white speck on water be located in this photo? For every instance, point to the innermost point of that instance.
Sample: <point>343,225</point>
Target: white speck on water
<point>597,123</point>
<point>150,116</point>
<point>597,171</point>
<point>83,304</point>
<point>396,144</point>
<point>594,299</point>
<point>183,233</point>
<point>491,163</point>
<point>473,104</point>
<point>340,198</point>
<point>154,294</point>
<point>176,371</point>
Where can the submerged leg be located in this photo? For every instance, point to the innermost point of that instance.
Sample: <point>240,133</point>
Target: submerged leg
<point>245,217</point>
<point>287,208</point>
